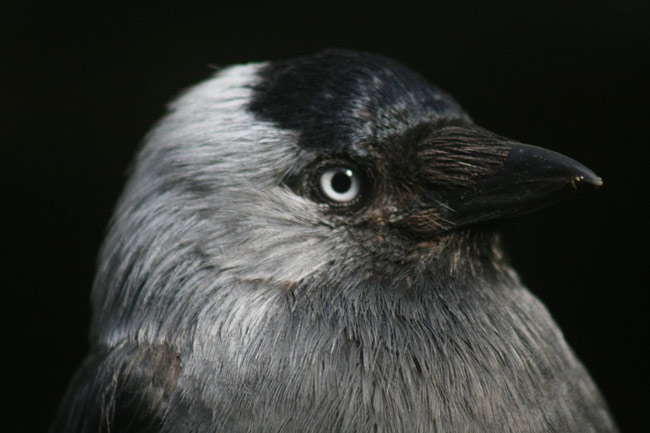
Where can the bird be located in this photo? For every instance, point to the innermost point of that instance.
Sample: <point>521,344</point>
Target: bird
<point>309,245</point>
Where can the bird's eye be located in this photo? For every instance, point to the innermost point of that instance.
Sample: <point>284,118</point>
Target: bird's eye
<point>339,185</point>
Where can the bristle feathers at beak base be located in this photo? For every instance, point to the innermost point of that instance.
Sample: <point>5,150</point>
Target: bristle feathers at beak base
<point>466,175</point>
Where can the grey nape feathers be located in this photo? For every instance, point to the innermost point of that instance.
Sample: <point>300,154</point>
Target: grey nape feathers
<point>304,246</point>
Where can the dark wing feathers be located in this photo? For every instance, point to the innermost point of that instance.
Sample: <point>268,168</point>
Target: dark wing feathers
<point>124,389</point>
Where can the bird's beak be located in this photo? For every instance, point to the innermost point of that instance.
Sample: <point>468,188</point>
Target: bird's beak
<point>531,178</point>
<point>500,179</point>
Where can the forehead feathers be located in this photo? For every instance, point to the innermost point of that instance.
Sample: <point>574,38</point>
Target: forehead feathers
<point>339,100</point>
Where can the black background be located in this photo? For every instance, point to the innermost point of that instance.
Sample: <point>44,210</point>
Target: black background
<point>80,88</point>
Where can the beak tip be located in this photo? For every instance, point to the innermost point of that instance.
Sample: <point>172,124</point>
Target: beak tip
<point>590,179</point>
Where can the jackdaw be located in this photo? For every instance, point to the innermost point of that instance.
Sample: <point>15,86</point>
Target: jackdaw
<point>306,246</point>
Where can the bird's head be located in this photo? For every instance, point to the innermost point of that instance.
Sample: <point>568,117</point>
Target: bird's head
<point>337,165</point>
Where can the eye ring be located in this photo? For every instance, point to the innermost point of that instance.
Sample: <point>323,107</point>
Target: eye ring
<point>339,185</point>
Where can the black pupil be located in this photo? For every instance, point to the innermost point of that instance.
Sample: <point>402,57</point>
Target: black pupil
<point>341,182</point>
